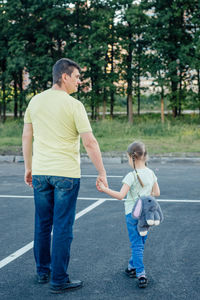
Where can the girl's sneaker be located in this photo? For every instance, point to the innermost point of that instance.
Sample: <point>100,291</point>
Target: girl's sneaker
<point>142,282</point>
<point>130,273</point>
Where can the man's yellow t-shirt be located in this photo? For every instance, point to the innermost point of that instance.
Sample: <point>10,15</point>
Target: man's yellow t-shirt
<point>57,120</point>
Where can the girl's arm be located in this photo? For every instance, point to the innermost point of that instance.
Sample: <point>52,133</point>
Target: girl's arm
<point>155,190</point>
<point>119,195</point>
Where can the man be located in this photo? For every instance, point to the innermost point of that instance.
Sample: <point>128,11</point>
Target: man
<point>57,121</point>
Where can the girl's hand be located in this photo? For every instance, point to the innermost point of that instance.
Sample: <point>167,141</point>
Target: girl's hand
<point>100,186</point>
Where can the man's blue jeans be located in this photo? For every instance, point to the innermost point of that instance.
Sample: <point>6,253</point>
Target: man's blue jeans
<point>137,246</point>
<point>55,204</point>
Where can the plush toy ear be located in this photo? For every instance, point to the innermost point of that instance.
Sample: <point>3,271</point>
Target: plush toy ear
<point>137,209</point>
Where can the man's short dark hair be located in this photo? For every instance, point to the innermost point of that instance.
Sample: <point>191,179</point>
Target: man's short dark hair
<point>63,65</point>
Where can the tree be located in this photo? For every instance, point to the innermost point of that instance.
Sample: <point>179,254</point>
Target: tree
<point>46,41</point>
<point>115,41</point>
<point>194,51</point>
<point>133,41</point>
<point>93,52</point>
<point>170,41</point>
<point>3,58</point>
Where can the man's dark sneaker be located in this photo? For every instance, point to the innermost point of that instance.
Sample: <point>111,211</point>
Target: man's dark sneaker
<point>44,278</point>
<point>70,285</point>
<point>142,282</point>
<point>130,273</point>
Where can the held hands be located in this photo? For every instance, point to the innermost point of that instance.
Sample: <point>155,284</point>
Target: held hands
<point>101,185</point>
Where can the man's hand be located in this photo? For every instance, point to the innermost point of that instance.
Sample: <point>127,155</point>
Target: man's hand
<point>100,186</point>
<point>103,179</point>
<point>28,178</point>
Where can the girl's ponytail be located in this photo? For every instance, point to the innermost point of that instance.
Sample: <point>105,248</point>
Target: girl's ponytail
<point>137,150</point>
<point>138,177</point>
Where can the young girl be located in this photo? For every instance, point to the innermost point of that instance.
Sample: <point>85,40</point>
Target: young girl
<point>141,181</point>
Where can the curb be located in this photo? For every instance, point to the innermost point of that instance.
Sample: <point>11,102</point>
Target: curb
<point>120,159</point>
<point>116,158</point>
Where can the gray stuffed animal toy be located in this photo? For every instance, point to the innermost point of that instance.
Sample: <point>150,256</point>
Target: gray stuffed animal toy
<point>148,213</point>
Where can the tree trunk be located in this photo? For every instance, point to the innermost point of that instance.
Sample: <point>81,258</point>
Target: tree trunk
<point>4,100</point>
<point>92,109</point>
<point>130,80</point>
<point>162,110</point>
<point>4,92</point>
<point>130,109</point>
<point>97,113</point>
<point>127,110</point>
<point>138,93</point>
<point>104,104</point>
<point>111,104</point>
<point>112,98</point>
<point>180,99</point>
<point>198,81</point>
<point>96,102</point>
<point>174,98</point>
<point>21,94</point>
<point>15,99</point>
<point>138,83</point>
<point>180,94</point>
<point>92,101</point>
<point>162,107</point>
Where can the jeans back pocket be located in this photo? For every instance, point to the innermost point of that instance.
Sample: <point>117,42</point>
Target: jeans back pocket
<point>64,184</point>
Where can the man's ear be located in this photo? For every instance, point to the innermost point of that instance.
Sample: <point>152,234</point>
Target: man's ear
<point>65,77</point>
<point>137,210</point>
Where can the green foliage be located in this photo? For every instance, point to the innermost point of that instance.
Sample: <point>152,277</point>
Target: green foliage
<point>117,43</point>
<point>171,28</point>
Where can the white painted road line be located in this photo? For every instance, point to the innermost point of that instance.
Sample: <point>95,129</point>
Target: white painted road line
<point>159,200</point>
<point>109,199</point>
<point>89,208</point>
<point>15,196</point>
<point>29,246</point>
<point>177,200</point>
<point>108,176</point>
<point>16,254</point>
<point>98,202</point>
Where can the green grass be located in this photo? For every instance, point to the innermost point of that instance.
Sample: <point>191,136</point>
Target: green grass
<point>10,137</point>
<point>180,135</point>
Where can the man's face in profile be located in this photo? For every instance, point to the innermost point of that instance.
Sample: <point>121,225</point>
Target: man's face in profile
<point>73,81</point>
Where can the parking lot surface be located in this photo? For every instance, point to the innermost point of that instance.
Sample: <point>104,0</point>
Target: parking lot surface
<point>100,249</point>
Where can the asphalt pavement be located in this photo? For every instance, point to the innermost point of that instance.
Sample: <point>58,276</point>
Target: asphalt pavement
<point>100,249</point>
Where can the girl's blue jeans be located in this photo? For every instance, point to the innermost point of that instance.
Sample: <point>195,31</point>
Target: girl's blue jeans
<point>137,246</point>
<point>55,203</point>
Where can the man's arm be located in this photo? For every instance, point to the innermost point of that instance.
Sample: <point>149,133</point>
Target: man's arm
<point>92,147</point>
<point>27,140</point>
